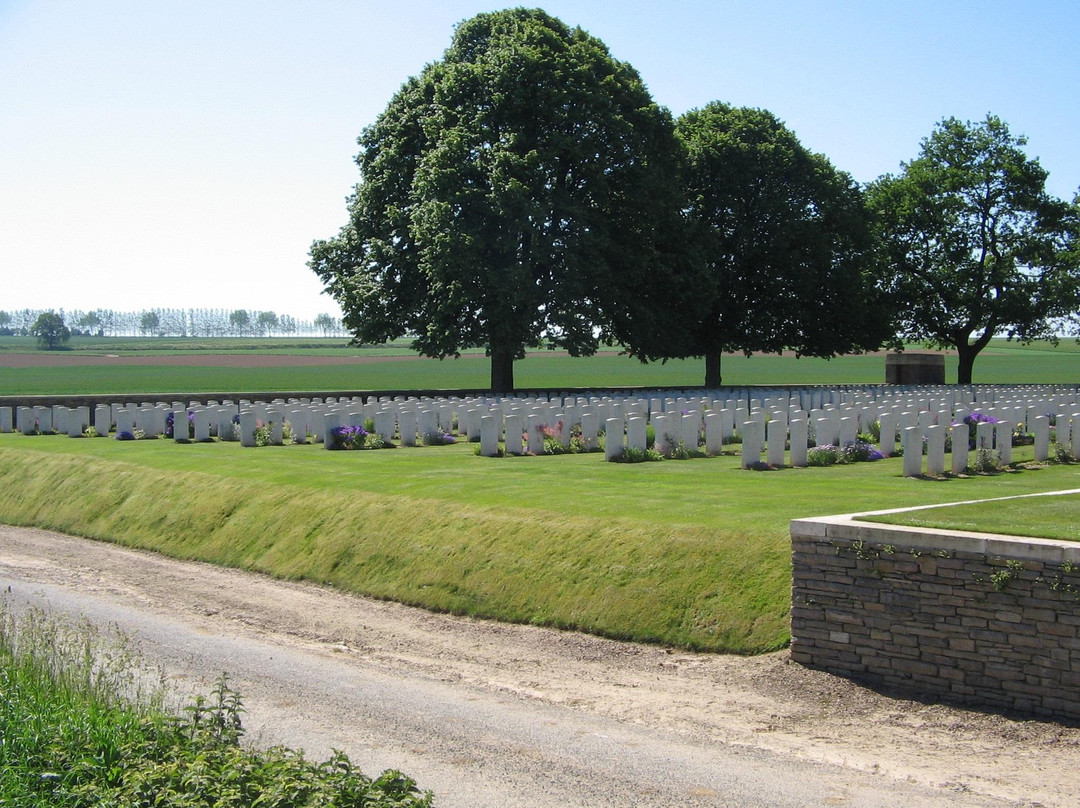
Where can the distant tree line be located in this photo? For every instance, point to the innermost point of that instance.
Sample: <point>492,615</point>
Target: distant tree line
<point>167,323</point>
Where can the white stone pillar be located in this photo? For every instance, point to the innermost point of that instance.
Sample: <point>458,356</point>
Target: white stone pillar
<point>590,428</point>
<point>935,450</point>
<point>727,422</point>
<point>247,427</point>
<point>776,431</point>
<point>1003,441</point>
<point>77,419</point>
<point>406,427</point>
<point>664,439</point>
<point>799,427</point>
<point>753,437</point>
<point>125,422</point>
<point>298,423</point>
<point>103,420</point>
<point>514,443</point>
<point>636,433</point>
<point>59,418</point>
<point>689,430</point>
<point>226,429</point>
<point>911,441</point>
<point>202,424</point>
<point>714,433</point>
<point>613,438</point>
<point>489,435</point>
<point>887,441</point>
<point>960,451</point>
<point>1040,428</point>
<point>535,437</point>
<point>26,420</point>
<point>428,423</point>
<point>849,430</point>
<point>386,424</point>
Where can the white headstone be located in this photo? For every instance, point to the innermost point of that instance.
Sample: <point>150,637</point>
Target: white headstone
<point>59,418</point>
<point>753,437</point>
<point>125,424</point>
<point>714,433</point>
<point>935,450</point>
<point>590,428</point>
<point>103,420</point>
<point>665,433</point>
<point>613,437</point>
<point>887,441</point>
<point>386,424</point>
<point>203,419</point>
<point>489,436</point>
<point>248,422</point>
<point>799,427</point>
<point>637,433</point>
<point>776,433</point>
<point>960,452</point>
<point>849,430</point>
<point>1003,441</point>
<point>514,442</point>
<point>25,420</point>
<point>911,441</point>
<point>407,426</point>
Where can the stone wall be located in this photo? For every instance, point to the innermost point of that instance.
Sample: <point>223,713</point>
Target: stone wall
<point>984,620</point>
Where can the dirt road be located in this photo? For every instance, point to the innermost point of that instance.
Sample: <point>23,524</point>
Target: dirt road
<point>486,714</point>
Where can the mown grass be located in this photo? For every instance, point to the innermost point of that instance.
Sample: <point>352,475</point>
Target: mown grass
<point>398,369</point>
<point>692,553</point>
<point>1056,517</point>
<point>74,731</point>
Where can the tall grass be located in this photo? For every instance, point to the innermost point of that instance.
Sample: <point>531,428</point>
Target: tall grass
<point>76,731</point>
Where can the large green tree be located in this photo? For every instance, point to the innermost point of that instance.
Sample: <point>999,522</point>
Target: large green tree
<point>976,247</point>
<point>508,198</point>
<point>779,244</point>
<point>50,330</point>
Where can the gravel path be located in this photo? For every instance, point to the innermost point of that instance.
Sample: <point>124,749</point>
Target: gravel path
<point>486,714</point>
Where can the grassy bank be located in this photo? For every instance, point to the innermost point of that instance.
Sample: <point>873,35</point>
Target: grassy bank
<point>74,733</point>
<point>692,553</point>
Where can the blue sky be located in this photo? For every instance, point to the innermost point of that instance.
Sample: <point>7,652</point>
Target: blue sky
<point>186,154</point>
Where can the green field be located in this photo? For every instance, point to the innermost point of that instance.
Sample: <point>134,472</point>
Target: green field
<point>693,553</point>
<point>1001,363</point>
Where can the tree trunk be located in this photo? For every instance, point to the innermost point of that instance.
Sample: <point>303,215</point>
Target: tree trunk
<point>502,371</point>
<point>712,369</point>
<point>965,360</point>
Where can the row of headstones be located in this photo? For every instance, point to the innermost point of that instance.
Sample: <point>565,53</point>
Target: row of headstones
<point>832,424</point>
<point>995,438</point>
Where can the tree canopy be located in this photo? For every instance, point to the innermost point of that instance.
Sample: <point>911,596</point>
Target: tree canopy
<point>507,198</point>
<point>780,245</point>
<point>50,331</point>
<point>975,246</point>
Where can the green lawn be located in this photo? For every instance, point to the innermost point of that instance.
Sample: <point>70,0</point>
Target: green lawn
<point>693,553</point>
<point>1055,517</point>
